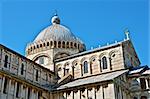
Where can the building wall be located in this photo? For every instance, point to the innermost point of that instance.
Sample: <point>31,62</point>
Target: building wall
<point>16,69</point>
<point>130,57</point>
<point>75,65</point>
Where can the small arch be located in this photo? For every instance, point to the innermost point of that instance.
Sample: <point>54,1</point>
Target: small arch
<point>33,47</point>
<point>59,44</point>
<point>47,43</point>
<point>85,67</point>
<point>51,43</point>
<point>22,69</point>
<point>75,62</point>
<point>55,44</point>
<point>37,46</point>
<point>67,45</point>
<point>6,61</point>
<point>40,45</point>
<point>104,62</point>
<point>63,44</point>
<point>71,44</point>
<point>93,58</point>
<point>43,44</point>
<point>75,45</point>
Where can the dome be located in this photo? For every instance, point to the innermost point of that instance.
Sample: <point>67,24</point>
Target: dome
<point>55,36</point>
<point>57,32</point>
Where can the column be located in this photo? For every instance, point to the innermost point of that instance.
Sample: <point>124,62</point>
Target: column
<point>2,86</point>
<point>15,90</point>
<point>65,95</point>
<point>32,94</point>
<point>86,93</point>
<point>26,93</point>
<point>100,66</point>
<point>81,71</point>
<point>110,63</point>
<point>36,96</point>
<point>9,86</point>
<point>21,91</point>
<point>146,80</point>
<point>94,94</point>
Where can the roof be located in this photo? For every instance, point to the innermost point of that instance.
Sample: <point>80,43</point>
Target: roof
<point>137,70</point>
<point>147,72</point>
<point>93,79</point>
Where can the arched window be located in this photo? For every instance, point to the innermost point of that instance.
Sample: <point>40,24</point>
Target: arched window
<point>51,43</point>
<point>47,43</point>
<point>22,69</point>
<point>71,44</point>
<point>55,43</point>
<point>63,44</point>
<point>67,44</point>
<point>37,46</point>
<point>59,44</point>
<point>44,44</point>
<point>104,62</point>
<point>6,61</point>
<point>75,45</point>
<point>40,45</point>
<point>85,67</point>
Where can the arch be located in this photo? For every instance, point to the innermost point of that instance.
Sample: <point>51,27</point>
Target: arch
<point>33,47</point>
<point>63,44</point>
<point>71,44</point>
<point>104,62</point>
<point>55,44</point>
<point>85,67</point>
<point>6,61</point>
<point>39,55</point>
<point>75,45</point>
<point>51,43</point>
<point>111,53</point>
<point>67,46</point>
<point>75,62</point>
<point>37,46</point>
<point>44,44</point>
<point>93,58</point>
<point>59,44</point>
<point>47,43</point>
<point>66,68</point>
<point>22,69</point>
<point>40,45</point>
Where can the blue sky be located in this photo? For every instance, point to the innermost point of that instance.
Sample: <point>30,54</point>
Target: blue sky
<point>96,22</point>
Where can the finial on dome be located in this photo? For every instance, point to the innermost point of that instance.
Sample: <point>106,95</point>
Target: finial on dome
<point>55,19</point>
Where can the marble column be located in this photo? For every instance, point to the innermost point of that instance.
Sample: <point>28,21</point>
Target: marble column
<point>9,87</point>
<point>2,87</point>
<point>26,93</point>
<point>15,90</point>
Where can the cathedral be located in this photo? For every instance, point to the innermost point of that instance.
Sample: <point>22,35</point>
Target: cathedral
<point>58,66</point>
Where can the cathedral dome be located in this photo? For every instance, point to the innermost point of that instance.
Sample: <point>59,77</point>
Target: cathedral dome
<point>56,32</point>
<point>56,36</point>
